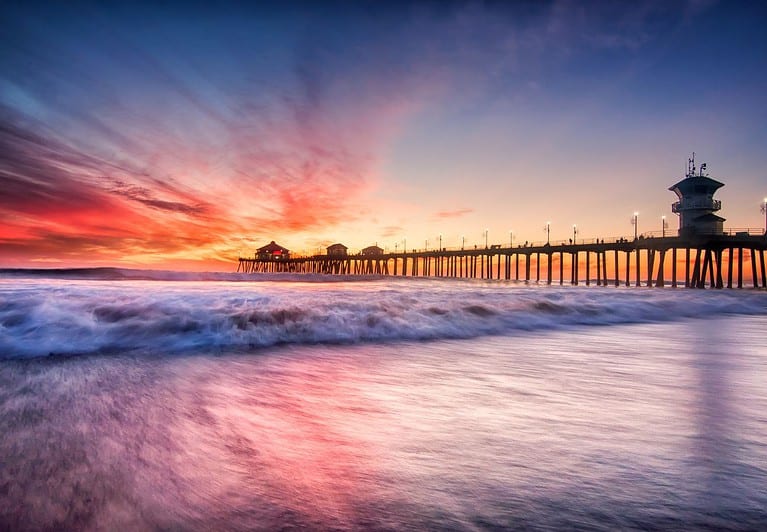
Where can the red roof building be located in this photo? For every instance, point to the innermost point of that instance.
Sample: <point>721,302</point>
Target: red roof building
<point>272,251</point>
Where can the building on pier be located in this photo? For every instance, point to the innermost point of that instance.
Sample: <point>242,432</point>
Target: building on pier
<point>696,205</point>
<point>372,251</point>
<point>337,250</point>
<point>272,251</point>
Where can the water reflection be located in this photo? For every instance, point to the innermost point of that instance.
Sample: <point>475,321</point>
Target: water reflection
<point>649,426</point>
<point>724,364</point>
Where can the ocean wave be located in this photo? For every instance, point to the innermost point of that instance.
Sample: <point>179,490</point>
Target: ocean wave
<point>128,274</point>
<point>67,318</point>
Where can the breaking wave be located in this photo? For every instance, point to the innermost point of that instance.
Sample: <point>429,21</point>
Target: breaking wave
<point>128,274</point>
<point>39,318</point>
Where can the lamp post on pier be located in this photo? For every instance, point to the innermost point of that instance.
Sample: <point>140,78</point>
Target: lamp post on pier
<point>440,241</point>
<point>548,232</point>
<point>635,223</point>
<point>486,232</point>
<point>575,232</point>
<point>664,225</point>
<point>764,210</point>
<point>463,242</point>
<point>404,245</point>
<point>511,239</point>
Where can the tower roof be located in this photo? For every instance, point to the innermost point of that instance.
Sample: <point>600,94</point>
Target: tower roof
<point>709,217</point>
<point>696,184</point>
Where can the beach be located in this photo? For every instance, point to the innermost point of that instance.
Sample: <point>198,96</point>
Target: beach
<point>591,424</point>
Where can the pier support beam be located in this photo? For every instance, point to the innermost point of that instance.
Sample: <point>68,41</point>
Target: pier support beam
<point>719,280</point>
<point>730,253</point>
<point>754,276</point>
<point>538,267</point>
<point>740,267</point>
<point>527,267</point>
<point>561,267</point>
<point>548,267</point>
<point>661,281</point>
<point>710,258</point>
<point>575,259</point>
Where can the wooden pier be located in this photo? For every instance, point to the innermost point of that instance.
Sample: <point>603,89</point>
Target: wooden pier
<point>716,261</point>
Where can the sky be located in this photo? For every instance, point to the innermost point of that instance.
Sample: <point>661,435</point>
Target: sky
<point>183,135</point>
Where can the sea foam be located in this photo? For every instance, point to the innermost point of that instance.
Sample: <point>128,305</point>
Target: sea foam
<point>39,317</point>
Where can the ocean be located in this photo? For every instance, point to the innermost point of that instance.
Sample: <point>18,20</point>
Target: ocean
<point>140,400</point>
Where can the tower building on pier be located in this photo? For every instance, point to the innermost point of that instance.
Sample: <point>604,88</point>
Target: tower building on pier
<point>696,205</point>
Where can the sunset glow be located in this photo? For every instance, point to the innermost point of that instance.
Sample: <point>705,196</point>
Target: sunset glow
<point>181,137</point>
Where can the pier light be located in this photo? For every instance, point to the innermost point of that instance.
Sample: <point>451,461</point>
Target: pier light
<point>664,225</point>
<point>486,233</point>
<point>511,238</point>
<point>426,245</point>
<point>463,241</point>
<point>404,245</point>
<point>548,232</point>
<point>764,210</point>
<point>440,241</point>
<point>635,223</point>
<point>575,232</point>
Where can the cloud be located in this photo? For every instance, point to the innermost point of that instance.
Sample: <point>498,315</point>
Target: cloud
<point>134,143</point>
<point>457,213</point>
<point>392,230</point>
<point>146,197</point>
<point>41,176</point>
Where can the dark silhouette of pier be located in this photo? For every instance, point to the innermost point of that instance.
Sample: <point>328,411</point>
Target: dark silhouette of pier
<point>702,249</point>
<point>697,261</point>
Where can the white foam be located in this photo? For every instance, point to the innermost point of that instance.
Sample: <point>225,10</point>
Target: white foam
<point>40,317</point>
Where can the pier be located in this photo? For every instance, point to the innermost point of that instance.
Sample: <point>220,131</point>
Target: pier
<point>701,254</point>
<point>735,260</point>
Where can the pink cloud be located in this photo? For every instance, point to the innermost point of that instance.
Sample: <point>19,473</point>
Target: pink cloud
<point>456,213</point>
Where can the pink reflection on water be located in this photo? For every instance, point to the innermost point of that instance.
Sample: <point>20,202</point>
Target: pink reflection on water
<point>293,432</point>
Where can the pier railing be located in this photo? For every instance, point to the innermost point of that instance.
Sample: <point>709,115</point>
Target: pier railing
<point>668,234</point>
<point>733,231</point>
